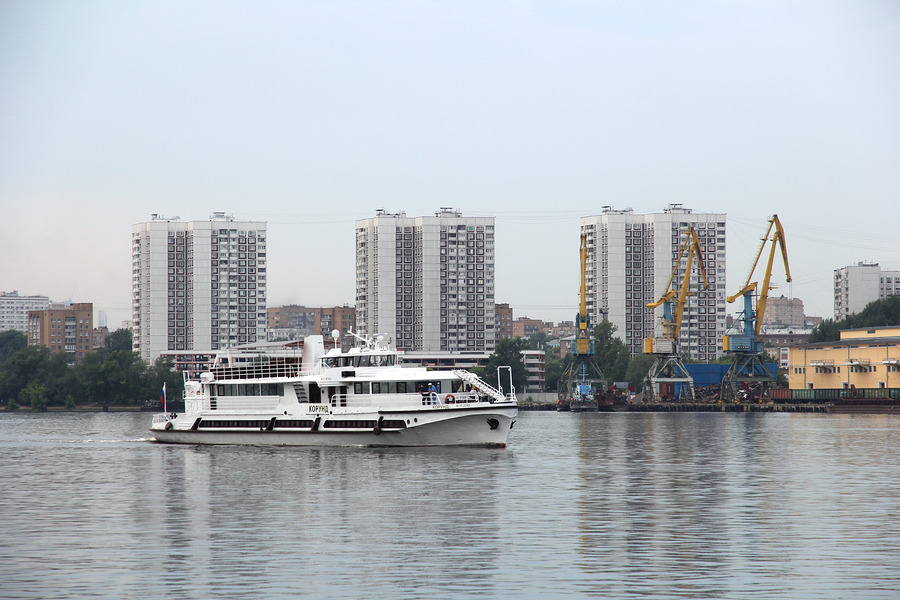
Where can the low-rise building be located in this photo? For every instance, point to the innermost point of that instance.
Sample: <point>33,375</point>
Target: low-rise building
<point>101,334</point>
<point>63,328</point>
<point>534,361</point>
<point>503,320</point>
<point>778,342</point>
<point>295,322</point>
<point>525,327</point>
<point>562,329</point>
<point>862,358</point>
<point>784,313</point>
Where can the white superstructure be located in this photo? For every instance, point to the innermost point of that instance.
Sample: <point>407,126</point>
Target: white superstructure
<point>197,284</point>
<point>273,395</point>
<point>629,263</point>
<point>427,281</point>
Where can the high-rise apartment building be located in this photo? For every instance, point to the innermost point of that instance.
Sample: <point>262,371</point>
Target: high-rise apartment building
<point>630,258</point>
<point>63,328</point>
<point>427,281</point>
<point>857,285</point>
<point>14,310</point>
<point>197,285</point>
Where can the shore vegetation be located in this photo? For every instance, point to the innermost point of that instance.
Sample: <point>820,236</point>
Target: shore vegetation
<point>35,378</point>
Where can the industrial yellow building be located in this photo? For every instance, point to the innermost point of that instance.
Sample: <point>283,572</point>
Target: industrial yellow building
<point>863,358</point>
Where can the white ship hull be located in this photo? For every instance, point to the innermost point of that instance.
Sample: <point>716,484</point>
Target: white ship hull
<point>462,427</point>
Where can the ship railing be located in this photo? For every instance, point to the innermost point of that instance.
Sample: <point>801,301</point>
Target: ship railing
<point>404,401</point>
<point>159,419</point>
<point>257,371</point>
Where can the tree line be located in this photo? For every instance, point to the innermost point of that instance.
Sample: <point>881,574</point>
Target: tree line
<point>879,313</point>
<point>35,377</point>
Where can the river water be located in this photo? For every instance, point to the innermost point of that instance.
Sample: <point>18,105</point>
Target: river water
<point>673,505</point>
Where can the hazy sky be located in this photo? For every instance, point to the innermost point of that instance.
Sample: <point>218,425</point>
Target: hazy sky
<point>311,115</point>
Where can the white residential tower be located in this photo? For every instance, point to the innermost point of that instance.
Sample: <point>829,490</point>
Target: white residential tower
<point>197,285</point>
<point>630,260</point>
<point>428,282</point>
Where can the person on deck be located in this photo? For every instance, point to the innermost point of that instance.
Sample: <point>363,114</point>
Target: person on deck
<point>433,393</point>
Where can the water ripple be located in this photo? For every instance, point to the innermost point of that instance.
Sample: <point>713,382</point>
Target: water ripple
<point>596,506</point>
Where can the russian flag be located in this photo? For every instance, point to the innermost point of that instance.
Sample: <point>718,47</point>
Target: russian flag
<point>164,396</point>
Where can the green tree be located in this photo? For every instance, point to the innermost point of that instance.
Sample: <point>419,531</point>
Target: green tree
<point>11,341</point>
<point>29,364</point>
<point>637,370</point>
<point>538,340</point>
<point>507,352</point>
<point>610,353</point>
<point>120,339</point>
<point>162,372</point>
<point>553,369</point>
<point>879,313</point>
<point>34,395</point>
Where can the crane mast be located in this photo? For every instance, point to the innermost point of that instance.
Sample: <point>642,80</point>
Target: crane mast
<point>582,380</point>
<point>583,342</point>
<point>749,377</point>
<point>668,377</point>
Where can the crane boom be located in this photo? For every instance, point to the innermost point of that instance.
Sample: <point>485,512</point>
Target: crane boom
<point>763,296</point>
<point>749,377</point>
<point>691,246</point>
<point>668,370</point>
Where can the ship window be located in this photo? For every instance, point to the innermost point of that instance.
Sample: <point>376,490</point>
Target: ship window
<point>361,387</point>
<point>348,424</point>
<point>302,423</point>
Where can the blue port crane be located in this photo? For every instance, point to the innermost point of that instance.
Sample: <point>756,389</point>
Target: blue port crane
<point>668,377</point>
<point>582,380</point>
<point>749,377</point>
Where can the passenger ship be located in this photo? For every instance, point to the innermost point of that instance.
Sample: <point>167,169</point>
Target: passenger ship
<point>274,396</point>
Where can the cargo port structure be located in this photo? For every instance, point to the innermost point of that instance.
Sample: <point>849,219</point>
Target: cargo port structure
<point>582,380</point>
<point>749,377</point>
<point>668,378</point>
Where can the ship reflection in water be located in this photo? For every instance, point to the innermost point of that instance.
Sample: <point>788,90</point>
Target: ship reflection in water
<point>606,505</point>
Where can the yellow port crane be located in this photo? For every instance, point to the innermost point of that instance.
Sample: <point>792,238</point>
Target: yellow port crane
<point>749,377</point>
<point>582,380</point>
<point>668,377</point>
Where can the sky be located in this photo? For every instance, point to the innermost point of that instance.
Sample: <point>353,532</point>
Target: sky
<point>312,115</point>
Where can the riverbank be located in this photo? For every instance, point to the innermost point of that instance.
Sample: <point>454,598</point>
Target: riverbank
<point>855,406</point>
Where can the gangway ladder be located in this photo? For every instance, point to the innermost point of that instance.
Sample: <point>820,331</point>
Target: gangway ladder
<point>479,383</point>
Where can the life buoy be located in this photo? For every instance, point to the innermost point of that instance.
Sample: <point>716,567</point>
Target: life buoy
<point>168,425</point>
<point>448,399</point>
